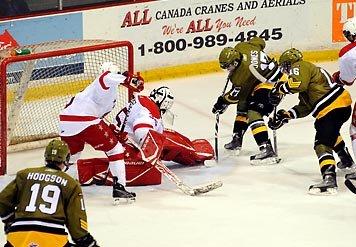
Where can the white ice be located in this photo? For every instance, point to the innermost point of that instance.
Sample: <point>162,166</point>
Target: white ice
<point>257,206</point>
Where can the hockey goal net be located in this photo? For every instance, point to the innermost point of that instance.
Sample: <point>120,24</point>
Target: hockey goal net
<point>36,86</point>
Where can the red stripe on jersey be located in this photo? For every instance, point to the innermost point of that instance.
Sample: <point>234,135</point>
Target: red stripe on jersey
<point>150,106</point>
<point>142,125</point>
<point>69,118</point>
<point>101,80</point>
<point>347,48</point>
<point>116,157</point>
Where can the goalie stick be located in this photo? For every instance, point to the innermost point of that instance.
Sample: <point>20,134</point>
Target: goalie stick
<point>151,152</point>
<point>186,189</point>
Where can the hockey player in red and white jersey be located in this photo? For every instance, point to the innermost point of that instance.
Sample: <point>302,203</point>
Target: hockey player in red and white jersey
<point>347,76</point>
<point>143,113</point>
<point>140,119</point>
<point>81,121</point>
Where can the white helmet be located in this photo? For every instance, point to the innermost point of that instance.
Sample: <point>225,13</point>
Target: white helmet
<point>163,97</point>
<point>349,29</point>
<point>109,66</point>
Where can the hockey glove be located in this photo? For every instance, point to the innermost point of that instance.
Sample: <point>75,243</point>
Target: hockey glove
<point>86,241</point>
<point>220,106</point>
<point>274,97</point>
<point>134,81</point>
<point>282,117</point>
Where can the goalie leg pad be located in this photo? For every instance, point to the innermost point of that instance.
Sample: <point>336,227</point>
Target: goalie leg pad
<point>180,149</point>
<point>138,172</point>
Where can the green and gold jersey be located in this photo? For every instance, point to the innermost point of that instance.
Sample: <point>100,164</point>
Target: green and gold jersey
<point>44,199</point>
<point>318,95</point>
<point>244,82</point>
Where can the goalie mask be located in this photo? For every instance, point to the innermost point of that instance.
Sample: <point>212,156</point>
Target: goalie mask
<point>349,29</point>
<point>163,97</point>
<point>288,58</point>
<point>229,59</point>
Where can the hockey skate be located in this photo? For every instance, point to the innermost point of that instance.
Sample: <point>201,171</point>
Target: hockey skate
<point>326,187</point>
<point>266,157</point>
<point>346,163</point>
<point>235,145</point>
<point>121,195</point>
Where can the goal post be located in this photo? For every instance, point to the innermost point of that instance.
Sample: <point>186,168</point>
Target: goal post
<point>35,87</point>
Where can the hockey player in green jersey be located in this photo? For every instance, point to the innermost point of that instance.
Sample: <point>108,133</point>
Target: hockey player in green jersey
<point>40,202</point>
<point>250,95</point>
<point>329,104</point>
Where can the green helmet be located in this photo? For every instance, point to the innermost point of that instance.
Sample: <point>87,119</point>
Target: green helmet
<point>229,56</point>
<point>290,56</point>
<point>57,151</point>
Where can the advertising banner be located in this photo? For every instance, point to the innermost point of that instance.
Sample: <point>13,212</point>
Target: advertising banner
<point>166,33</point>
<point>170,33</point>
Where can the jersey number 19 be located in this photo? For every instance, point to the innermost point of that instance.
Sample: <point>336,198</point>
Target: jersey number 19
<point>50,195</point>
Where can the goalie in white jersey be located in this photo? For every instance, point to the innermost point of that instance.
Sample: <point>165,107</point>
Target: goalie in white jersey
<point>347,76</point>
<point>144,113</point>
<point>81,121</point>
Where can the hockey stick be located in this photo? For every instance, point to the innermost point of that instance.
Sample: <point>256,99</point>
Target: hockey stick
<point>348,182</point>
<point>261,78</point>
<point>275,132</point>
<point>157,163</point>
<point>350,186</point>
<point>217,120</point>
<point>186,189</point>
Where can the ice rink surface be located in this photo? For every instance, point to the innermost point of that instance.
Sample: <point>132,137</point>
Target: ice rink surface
<point>257,206</point>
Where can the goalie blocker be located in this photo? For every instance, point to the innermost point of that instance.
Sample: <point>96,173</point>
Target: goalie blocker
<point>139,172</point>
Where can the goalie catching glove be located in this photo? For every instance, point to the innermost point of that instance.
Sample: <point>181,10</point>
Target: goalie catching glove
<point>220,106</point>
<point>282,117</point>
<point>134,81</point>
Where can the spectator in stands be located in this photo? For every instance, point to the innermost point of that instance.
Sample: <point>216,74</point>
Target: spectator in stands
<point>13,8</point>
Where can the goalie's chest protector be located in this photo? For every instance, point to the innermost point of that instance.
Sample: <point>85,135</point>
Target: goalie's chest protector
<point>144,111</point>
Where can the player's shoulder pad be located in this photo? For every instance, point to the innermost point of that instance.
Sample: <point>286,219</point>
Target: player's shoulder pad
<point>151,106</point>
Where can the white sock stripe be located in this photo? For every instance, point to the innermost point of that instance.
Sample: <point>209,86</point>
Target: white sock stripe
<point>38,223</point>
<point>324,155</point>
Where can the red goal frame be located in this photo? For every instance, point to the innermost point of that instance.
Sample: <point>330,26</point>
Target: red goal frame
<point>66,51</point>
